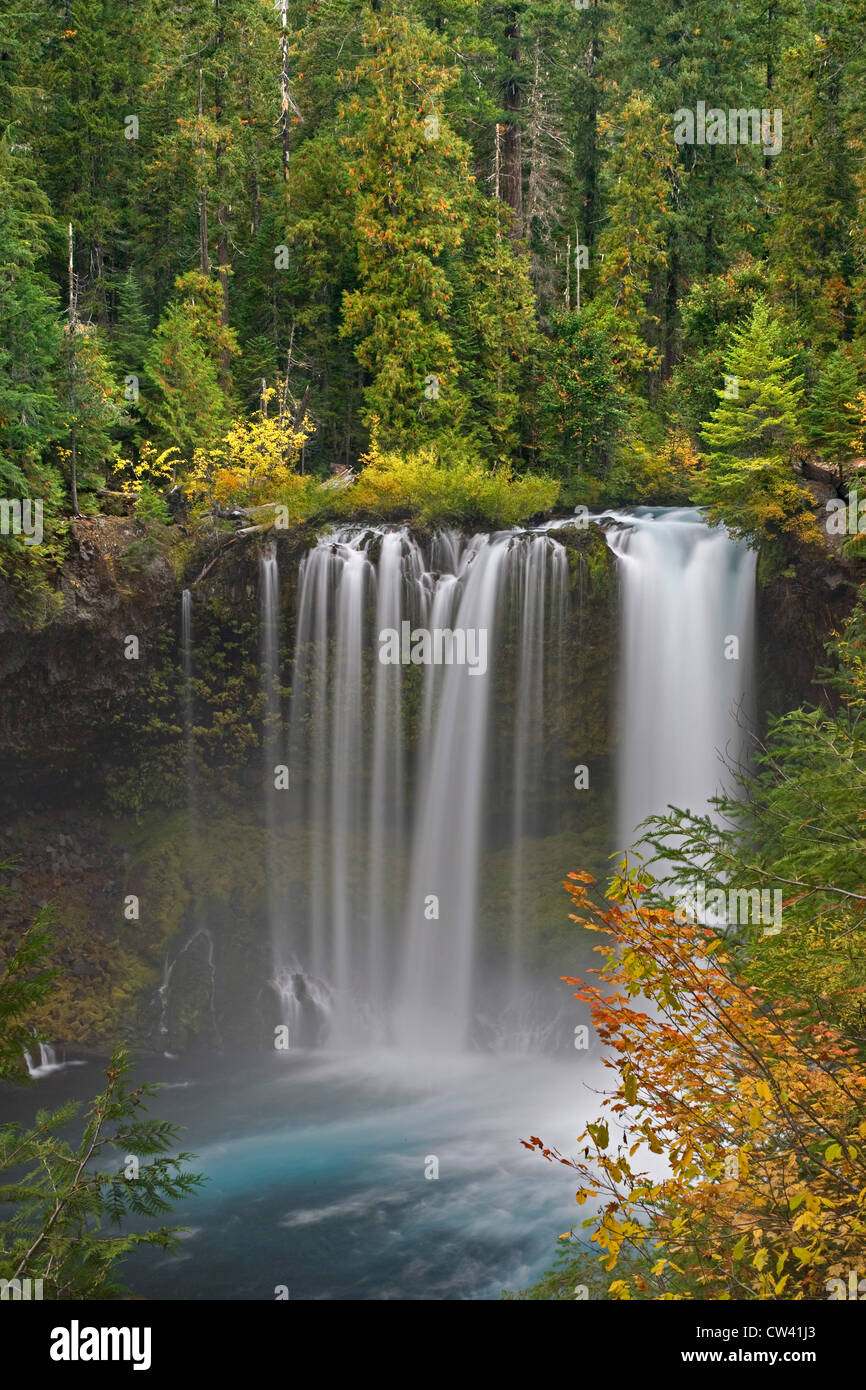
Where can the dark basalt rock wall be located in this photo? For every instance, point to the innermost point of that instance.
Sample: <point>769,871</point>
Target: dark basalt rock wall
<point>798,610</point>
<point>93,801</point>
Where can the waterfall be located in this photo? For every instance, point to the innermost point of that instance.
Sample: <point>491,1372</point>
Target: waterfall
<point>408,854</point>
<point>269,643</point>
<point>387,809</point>
<point>397,787</point>
<point>537,602</point>
<point>186,661</point>
<point>437,985</point>
<point>164,991</point>
<point>48,1063</point>
<point>687,673</point>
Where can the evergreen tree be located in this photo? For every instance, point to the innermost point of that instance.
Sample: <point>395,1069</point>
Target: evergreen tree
<point>93,409</point>
<point>749,482</point>
<point>92,64</point>
<point>409,177</point>
<point>494,331</point>
<point>443,311</point>
<point>30,333</point>
<point>712,310</point>
<point>130,342</point>
<point>633,245</point>
<point>810,250</point>
<point>832,418</point>
<point>189,407</point>
<point>580,400</point>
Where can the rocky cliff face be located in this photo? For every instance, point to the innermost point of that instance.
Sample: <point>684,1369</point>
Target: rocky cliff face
<point>94,805</point>
<point>799,608</point>
<point>62,684</point>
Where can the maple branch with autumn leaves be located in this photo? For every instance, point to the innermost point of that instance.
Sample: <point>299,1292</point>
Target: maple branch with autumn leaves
<point>755,1109</point>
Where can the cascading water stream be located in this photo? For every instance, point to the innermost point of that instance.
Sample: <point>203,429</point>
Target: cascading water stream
<point>164,991</point>
<point>269,593</point>
<point>48,1063</point>
<point>405,775</point>
<point>434,1009</point>
<point>687,671</point>
<point>387,809</point>
<point>393,764</point>
<point>536,603</point>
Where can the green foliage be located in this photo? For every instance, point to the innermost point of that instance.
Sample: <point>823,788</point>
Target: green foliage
<point>832,418</point>
<point>710,313</point>
<point>150,505</point>
<point>410,216</point>
<point>633,243</point>
<point>93,409</point>
<point>663,475</point>
<point>443,310</point>
<point>435,484</point>
<point>189,407</point>
<point>581,406</point>
<point>749,482</point>
<point>61,1197</point>
<point>30,335</point>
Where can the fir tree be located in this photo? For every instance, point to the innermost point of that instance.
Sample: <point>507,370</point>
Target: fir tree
<point>409,177</point>
<point>634,242</point>
<point>581,402</point>
<point>30,333</point>
<point>189,407</point>
<point>832,418</point>
<point>749,482</point>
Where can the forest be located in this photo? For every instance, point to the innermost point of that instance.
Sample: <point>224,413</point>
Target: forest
<point>240,238</point>
<point>542,318</point>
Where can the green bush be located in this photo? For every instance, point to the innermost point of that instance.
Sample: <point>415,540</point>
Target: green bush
<point>659,476</point>
<point>429,488</point>
<point>150,505</point>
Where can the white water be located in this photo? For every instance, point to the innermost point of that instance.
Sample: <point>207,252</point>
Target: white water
<point>392,928</point>
<point>48,1063</point>
<point>200,933</point>
<point>405,778</point>
<point>686,702</point>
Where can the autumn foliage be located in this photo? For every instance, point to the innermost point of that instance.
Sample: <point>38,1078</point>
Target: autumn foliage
<point>730,1158</point>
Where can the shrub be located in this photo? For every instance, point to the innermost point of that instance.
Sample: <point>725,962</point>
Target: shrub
<point>253,463</point>
<point>150,505</point>
<point>429,488</point>
<point>756,1108</point>
<point>662,476</point>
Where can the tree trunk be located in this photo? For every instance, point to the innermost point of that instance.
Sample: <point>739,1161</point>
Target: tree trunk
<point>223,273</point>
<point>512,154</point>
<point>284,91</point>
